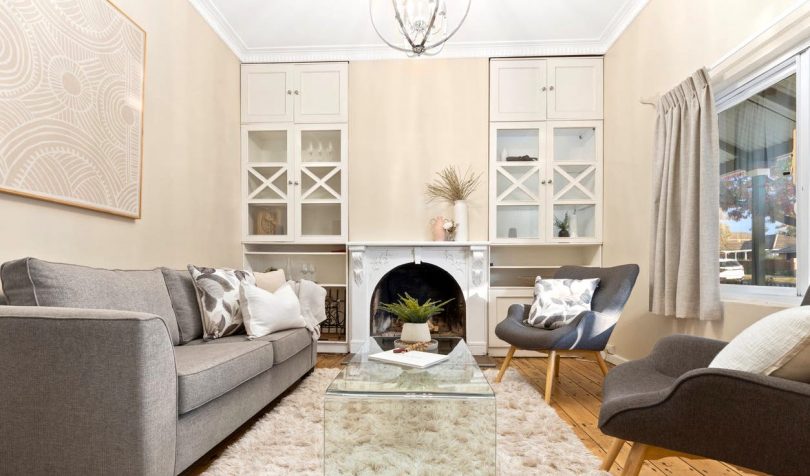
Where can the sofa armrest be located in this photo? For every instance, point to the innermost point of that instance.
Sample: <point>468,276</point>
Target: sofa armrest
<point>86,391</point>
<point>677,354</point>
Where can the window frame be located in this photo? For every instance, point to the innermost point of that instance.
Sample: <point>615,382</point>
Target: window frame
<point>798,64</point>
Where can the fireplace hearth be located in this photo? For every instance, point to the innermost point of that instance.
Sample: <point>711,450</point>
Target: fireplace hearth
<point>422,281</point>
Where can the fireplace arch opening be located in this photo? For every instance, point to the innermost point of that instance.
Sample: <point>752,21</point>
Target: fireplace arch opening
<point>422,281</point>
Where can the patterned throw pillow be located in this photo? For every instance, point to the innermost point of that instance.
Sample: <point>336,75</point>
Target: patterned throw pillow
<point>558,301</point>
<point>218,294</point>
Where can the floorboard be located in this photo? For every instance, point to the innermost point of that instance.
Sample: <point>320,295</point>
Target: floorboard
<point>576,399</point>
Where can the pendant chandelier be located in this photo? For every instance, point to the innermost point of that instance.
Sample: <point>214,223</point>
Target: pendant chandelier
<point>422,24</point>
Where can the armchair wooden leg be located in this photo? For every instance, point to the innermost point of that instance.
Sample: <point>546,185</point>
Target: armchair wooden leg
<point>612,453</point>
<point>635,459</point>
<point>550,372</point>
<point>505,363</point>
<point>602,365</point>
<point>557,368</point>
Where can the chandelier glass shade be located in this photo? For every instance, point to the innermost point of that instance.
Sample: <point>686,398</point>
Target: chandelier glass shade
<point>416,27</point>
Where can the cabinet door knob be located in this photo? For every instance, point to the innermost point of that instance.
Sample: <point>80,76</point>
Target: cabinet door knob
<point>549,181</point>
<point>543,88</point>
<point>296,182</point>
<point>543,182</point>
<point>551,88</point>
<point>296,92</point>
<point>289,182</point>
<point>289,91</point>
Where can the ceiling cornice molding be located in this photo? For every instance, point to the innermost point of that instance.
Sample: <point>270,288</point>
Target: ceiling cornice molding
<point>620,22</point>
<point>576,47</point>
<point>220,25</point>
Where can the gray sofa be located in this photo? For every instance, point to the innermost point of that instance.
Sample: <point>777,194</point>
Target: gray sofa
<point>106,372</point>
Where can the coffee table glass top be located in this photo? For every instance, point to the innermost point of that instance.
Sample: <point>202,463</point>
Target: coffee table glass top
<point>458,376</point>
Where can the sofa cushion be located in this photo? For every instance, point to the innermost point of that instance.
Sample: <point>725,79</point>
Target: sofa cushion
<point>211,369</point>
<point>185,304</point>
<point>33,282</point>
<point>285,343</point>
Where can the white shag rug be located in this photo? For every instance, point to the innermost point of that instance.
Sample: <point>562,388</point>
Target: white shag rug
<point>288,440</point>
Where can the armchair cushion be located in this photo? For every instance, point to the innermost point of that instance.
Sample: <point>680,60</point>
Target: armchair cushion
<point>777,345</point>
<point>558,301</point>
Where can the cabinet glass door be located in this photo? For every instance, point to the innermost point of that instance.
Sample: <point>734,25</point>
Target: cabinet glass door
<point>267,182</point>
<point>321,183</point>
<point>576,195</point>
<point>518,152</point>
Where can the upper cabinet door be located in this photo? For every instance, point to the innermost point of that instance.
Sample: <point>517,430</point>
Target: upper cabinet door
<point>267,93</point>
<point>518,90</point>
<point>575,88</point>
<point>321,93</point>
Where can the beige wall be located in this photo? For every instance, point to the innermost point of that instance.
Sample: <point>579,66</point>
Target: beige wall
<point>191,162</point>
<point>408,119</point>
<point>666,42</point>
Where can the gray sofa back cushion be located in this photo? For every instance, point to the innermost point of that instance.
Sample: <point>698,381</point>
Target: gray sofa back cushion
<point>184,301</point>
<point>33,282</point>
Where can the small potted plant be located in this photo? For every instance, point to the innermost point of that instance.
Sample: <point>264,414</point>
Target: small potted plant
<point>454,187</point>
<point>563,225</point>
<point>414,316</point>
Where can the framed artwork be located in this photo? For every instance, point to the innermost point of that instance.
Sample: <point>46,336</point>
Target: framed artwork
<point>71,104</point>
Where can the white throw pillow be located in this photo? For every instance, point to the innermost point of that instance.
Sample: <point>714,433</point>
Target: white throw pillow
<point>558,301</point>
<point>265,312</point>
<point>777,345</point>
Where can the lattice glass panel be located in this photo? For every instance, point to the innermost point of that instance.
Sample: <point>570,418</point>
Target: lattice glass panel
<point>518,184</point>
<point>267,183</point>
<point>321,183</point>
<point>575,182</point>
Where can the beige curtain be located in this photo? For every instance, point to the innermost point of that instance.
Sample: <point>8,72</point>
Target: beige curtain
<point>685,268</point>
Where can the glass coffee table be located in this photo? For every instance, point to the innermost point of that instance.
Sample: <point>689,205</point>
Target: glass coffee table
<point>384,418</point>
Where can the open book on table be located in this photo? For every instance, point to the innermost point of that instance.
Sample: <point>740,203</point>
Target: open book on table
<point>413,358</point>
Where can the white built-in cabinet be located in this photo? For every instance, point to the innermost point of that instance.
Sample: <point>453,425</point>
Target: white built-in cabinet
<point>294,152</point>
<point>546,168</point>
<point>294,175</point>
<point>550,88</point>
<point>300,93</point>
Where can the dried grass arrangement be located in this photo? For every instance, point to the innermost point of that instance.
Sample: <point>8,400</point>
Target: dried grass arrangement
<point>452,186</point>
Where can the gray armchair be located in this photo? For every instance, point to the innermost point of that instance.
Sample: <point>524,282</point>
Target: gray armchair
<point>671,404</point>
<point>587,334</point>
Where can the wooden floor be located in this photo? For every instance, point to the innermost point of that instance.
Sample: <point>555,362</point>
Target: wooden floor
<point>576,398</point>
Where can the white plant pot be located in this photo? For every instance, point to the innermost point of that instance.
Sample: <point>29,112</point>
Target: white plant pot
<point>461,217</point>
<point>413,332</point>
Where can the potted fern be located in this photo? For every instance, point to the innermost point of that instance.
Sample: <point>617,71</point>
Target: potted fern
<point>414,316</point>
<point>563,225</point>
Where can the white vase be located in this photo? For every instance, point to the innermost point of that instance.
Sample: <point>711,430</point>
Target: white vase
<point>461,217</point>
<point>415,332</point>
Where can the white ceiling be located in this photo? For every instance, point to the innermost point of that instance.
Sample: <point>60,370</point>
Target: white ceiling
<point>320,30</point>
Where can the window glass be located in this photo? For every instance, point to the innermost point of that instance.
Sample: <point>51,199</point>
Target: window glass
<point>758,188</point>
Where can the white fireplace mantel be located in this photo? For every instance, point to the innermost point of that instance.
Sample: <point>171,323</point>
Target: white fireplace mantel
<point>466,262</point>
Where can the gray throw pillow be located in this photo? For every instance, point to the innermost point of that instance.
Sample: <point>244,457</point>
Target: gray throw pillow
<point>558,301</point>
<point>218,294</point>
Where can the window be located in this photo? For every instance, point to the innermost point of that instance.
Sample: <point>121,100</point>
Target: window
<point>760,183</point>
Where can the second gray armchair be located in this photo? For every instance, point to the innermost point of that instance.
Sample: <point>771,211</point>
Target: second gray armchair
<point>587,334</point>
